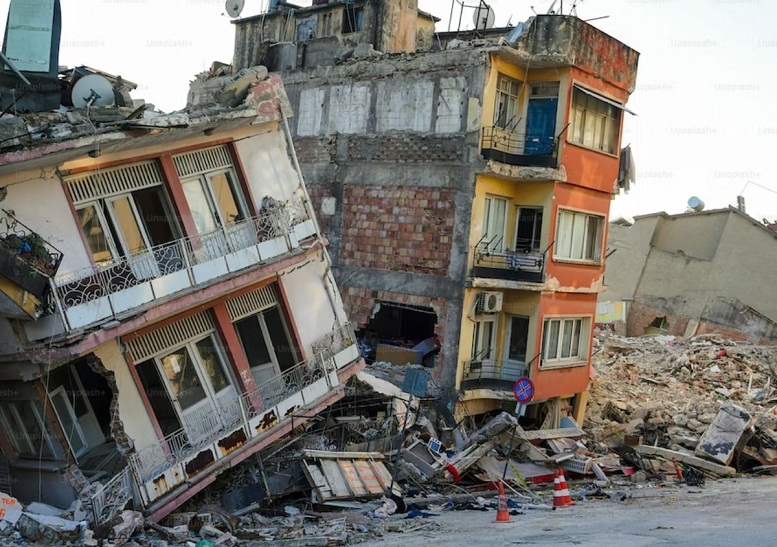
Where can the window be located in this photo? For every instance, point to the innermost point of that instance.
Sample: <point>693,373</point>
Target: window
<point>494,223</point>
<point>26,430</point>
<point>565,341</point>
<point>579,236</point>
<point>215,200</point>
<point>266,343</point>
<point>517,338</point>
<point>483,340</point>
<point>506,106</point>
<point>127,225</point>
<point>528,229</point>
<point>352,19</point>
<point>594,123</point>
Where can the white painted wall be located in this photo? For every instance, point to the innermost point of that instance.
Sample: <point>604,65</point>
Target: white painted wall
<point>38,199</point>
<point>311,107</point>
<point>349,108</point>
<point>268,166</point>
<point>132,411</point>
<point>404,105</point>
<point>309,303</point>
<point>451,104</point>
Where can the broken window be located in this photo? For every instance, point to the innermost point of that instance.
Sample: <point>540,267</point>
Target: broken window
<point>528,229</point>
<point>565,340</point>
<point>594,122</point>
<point>494,219</point>
<point>25,428</point>
<point>400,334</point>
<point>352,19</point>
<point>507,101</point>
<point>579,236</point>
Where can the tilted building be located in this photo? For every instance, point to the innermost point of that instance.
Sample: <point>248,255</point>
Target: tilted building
<point>464,183</point>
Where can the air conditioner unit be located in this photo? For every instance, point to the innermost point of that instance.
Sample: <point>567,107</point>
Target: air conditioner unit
<point>490,302</point>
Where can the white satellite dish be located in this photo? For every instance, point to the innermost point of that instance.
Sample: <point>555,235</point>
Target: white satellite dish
<point>234,7</point>
<point>92,90</point>
<point>695,204</point>
<point>483,17</point>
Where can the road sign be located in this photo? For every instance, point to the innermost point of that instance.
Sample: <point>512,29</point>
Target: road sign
<point>523,390</point>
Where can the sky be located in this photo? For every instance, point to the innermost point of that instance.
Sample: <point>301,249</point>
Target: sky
<point>706,123</point>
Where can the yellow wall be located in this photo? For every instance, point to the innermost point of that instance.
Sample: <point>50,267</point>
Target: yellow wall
<point>530,75</point>
<point>535,194</point>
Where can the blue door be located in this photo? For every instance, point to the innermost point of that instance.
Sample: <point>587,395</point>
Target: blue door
<point>540,126</point>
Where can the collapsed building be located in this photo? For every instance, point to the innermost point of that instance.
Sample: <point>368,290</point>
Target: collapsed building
<point>683,275</point>
<point>167,305</point>
<point>463,180</point>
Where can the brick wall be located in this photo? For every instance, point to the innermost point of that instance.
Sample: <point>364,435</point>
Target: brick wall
<point>403,228</point>
<point>406,149</point>
<point>315,149</point>
<point>360,305</point>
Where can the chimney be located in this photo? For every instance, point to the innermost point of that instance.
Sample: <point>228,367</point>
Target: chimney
<point>741,203</point>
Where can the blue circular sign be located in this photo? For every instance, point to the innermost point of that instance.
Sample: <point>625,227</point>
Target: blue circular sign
<point>523,390</point>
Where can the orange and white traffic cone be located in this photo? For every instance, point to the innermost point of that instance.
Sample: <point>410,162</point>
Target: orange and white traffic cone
<point>561,497</point>
<point>502,514</point>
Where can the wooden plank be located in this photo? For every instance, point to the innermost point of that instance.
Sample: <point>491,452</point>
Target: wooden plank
<point>685,458</point>
<point>351,476</point>
<point>318,481</point>
<point>324,455</point>
<point>335,479</point>
<point>368,477</point>
<point>545,434</point>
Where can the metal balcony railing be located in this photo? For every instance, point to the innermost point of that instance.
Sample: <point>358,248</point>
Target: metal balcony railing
<point>522,149</point>
<point>490,373</point>
<point>25,257</point>
<point>81,295</point>
<point>111,497</point>
<point>230,413</point>
<point>521,265</point>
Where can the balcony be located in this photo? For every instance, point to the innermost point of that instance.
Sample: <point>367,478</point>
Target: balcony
<point>490,374</point>
<point>28,262</point>
<point>97,294</point>
<point>520,149</point>
<point>527,267</point>
<point>161,467</point>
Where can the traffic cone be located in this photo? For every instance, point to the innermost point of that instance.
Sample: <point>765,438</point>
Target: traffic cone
<point>502,514</point>
<point>561,497</point>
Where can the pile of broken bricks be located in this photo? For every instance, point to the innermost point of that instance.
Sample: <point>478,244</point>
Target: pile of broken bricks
<point>702,399</point>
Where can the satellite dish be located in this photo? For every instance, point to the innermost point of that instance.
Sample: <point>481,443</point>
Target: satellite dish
<point>234,7</point>
<point>695,204</point>
<point>92,90</point>
<point>483,17</point>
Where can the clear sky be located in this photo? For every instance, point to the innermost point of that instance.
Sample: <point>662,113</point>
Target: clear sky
<point>707,118</point>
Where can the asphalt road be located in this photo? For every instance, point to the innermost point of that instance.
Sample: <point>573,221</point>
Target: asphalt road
<point>729,513</point>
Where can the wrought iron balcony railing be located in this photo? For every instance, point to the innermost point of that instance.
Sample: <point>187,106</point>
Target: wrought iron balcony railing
<point>99,292</point>
<point>488,373</point>
<point>522,149</point>
<point>526,266</point>
<point>236,412</point>
<point>25,257</point>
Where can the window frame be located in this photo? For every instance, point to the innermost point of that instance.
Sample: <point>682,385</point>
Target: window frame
<point>583,342</point>
<point>513,100</point>
<point>488,203</point>
<point>535,209</point>
<point>54,450</point>
<point>579,113</point>
<point>508,337</point>
<point>477,338</point>
<point>205,181</point>
<point>598,244</point>
<point>107,232</point>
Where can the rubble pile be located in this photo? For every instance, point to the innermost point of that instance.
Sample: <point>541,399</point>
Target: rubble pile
<point>667,391</point>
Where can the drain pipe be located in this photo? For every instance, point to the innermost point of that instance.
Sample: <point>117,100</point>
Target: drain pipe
<point>331,293</point>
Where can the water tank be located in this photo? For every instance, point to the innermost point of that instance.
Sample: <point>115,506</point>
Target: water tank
<point>695,204</point>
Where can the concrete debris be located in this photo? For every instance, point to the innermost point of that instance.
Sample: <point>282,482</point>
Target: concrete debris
<point>666,391</point>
